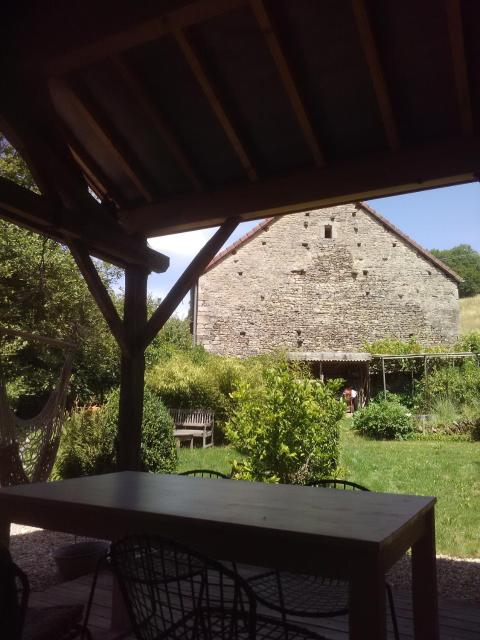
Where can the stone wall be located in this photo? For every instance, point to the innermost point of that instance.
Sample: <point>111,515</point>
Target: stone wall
<point>290,287</point>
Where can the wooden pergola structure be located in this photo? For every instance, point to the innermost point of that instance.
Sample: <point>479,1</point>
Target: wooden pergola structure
<point>183,114</point>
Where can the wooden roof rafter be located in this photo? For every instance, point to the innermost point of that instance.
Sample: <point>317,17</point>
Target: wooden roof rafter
<point>372,57</point>
<point>153,113</point>
<point>140,34</point>
<point>288,80</point>
<point>215,103</point>
<point>106,241</point>
<point>441,164</point>
<point>78,96</point>
<point>457,45</point>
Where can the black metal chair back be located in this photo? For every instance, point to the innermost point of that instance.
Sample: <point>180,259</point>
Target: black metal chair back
<point>173,592</point>
<point>335,483</point>
<point>204,473</point>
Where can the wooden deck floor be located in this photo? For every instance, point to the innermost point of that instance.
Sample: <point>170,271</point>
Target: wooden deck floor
<point>458,620</point>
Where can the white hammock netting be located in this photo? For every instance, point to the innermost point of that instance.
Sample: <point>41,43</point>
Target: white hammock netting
<point>28,447</point>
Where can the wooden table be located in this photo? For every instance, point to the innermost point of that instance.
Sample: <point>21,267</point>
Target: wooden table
<point>354,535</point>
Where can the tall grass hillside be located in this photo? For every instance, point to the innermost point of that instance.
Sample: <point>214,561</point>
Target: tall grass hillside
<point>469,314</point>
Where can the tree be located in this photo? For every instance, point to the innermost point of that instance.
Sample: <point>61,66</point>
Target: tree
<point>42,291</point>
<point>13,167</point>
<point>466,262</point>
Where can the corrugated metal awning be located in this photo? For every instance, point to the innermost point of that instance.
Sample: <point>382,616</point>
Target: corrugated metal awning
<point>329,356</point>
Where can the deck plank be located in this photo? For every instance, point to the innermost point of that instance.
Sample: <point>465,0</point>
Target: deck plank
<point>459,620</point>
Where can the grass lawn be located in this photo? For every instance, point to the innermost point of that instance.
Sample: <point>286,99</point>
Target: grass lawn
<point>448,470</point>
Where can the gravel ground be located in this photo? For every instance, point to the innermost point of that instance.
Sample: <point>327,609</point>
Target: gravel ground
<point>32,549</point>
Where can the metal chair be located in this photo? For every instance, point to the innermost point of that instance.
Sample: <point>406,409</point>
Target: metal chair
<point>19,622</point>
<point>204,473</point>
<point>311,596</point>
<point>171,591</point>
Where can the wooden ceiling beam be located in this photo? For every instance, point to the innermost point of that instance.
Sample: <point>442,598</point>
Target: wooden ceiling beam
<point>374,175</point>
<point>457,45</point>
<point>188,279</point>
<point>376,73</point>
<point>105,240</point>
<point>91,169</point>
<point>78,97</point>
<point>99,292</point>
<point>139,34</point>
<point>215,103</point>
<point>162,128</point>
<point>288,80</point>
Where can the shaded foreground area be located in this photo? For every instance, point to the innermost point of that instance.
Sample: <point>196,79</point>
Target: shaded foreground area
<point>458,620</point>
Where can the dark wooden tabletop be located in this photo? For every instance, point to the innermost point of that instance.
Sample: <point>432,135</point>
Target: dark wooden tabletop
<point>353,517</point>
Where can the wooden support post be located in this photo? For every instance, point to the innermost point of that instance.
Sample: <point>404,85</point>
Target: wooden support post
<point>132,370</point>
<point>384,379</point>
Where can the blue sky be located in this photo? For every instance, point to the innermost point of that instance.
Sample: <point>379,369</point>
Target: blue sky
<point>436,219</point>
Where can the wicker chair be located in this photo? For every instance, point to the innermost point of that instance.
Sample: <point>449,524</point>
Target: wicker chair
<point>171,591</point>
<point>310,596</point>
<point>204,473</point>
<point>19,622</point>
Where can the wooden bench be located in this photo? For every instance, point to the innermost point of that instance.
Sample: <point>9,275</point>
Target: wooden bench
<point>191,424</point>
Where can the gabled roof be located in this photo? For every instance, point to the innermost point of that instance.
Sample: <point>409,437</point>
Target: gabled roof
<point>265,224</point>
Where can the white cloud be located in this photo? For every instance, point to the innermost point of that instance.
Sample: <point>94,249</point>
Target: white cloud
<point>186,244</point>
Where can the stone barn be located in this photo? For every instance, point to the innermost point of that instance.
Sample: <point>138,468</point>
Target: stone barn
<point>324,280</point>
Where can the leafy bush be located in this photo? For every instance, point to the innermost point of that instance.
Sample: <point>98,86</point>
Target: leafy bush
<point>469,342</point>
<point>384,419</point>
<point>85,447</point>
<point>460,383</point>
<point>199,380</point>
<point>88,440</point>
<point>288,427</point>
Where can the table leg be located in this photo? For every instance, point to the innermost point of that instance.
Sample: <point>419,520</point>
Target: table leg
<point>5,533</point>
<point>119,620</point>
<point>367,612</point>
<point>424,583</point>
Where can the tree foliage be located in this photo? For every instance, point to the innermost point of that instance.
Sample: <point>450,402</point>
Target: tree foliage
<point>13,167</point>
<point>466,262</point>
<point>42,291</point>
<point>288,427</point>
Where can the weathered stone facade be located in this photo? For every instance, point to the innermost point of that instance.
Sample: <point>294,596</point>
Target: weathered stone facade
<point>289,286</point>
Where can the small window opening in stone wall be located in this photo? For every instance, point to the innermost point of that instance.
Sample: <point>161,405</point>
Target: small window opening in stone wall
<point>365,272</point>
<point>354,274</point>
<point>307,213</point>
<point>354,214</point>
<point>299,343</point>
<point>299,332</point>
<point>262,297</point>
<point>306,245</point>
<point>394,244</point>
<point>300,272</point>
<point>305,224</point>
<point>328,231</point>
<point>242,333</point>
<point>359,244</point>
<point>240,273</point>
<point>355,229</point>
<point>264,242</point>
<point>367,293</point>
<point>332,218</point>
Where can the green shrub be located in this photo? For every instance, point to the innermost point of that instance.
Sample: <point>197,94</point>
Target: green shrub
<point>158,451</point>
<point>461,383</point>
<point>85,448</point>
<point>287,426</point>
<point>88,441</point>
<point>199,380</point>
<point>384,419</point>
